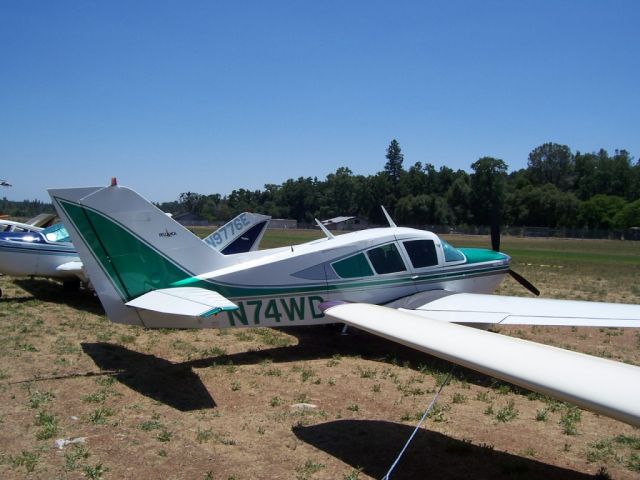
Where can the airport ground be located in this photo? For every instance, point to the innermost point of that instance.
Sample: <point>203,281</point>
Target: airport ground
<point>226,404</point>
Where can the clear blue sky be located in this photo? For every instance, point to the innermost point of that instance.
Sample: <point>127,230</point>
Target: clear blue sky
<point>209,96</point>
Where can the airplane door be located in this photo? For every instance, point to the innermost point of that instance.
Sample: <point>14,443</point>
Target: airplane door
<point>426,262</point>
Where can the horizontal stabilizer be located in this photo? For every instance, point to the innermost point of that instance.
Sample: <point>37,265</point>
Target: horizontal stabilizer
<point>189,301</point>
<point>604,386</point>
<point>497,309</point>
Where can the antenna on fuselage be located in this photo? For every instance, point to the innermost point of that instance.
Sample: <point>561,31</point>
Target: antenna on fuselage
<point>324,229</point>
<point>386,214</point>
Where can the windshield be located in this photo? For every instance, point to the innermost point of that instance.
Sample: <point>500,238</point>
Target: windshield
<point>56,233</point>
<point>451,254</point>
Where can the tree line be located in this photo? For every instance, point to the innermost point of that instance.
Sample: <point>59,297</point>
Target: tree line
<point>558,188</point>
<point>24,208</point>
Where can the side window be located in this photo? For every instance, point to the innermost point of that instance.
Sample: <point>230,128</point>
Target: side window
<point>386,259</point>
<point>451,254</point>
<point>422,253</point>
<point>352,267</point>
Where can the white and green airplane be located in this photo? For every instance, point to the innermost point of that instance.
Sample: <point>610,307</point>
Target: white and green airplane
<point>403,284</point>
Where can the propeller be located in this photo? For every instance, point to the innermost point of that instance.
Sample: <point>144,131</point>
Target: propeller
<point>495,245</point>
<point>524,282</point>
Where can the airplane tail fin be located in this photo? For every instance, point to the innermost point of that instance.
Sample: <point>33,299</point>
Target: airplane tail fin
<point>239,235</point>
<point>129,247</point>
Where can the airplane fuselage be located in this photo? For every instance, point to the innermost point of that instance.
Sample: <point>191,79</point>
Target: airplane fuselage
<point>136,249</point>
<point>25,254</point>
<point>285,286</point>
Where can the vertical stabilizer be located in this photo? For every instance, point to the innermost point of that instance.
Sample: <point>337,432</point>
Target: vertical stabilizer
<point>241,234</point>
<point>128,246</point>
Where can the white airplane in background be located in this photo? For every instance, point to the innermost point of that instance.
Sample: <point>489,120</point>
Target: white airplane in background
<point>49,253</point>
<point>406,285</point>
<point>35,224</point>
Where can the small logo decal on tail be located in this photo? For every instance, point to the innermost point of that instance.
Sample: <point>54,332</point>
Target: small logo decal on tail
<point>167,234</point>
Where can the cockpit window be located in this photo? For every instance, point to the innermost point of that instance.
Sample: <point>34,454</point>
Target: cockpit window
<point>451,254</point>
<point>386,259</point>
<point>352,267</point>
<point>422,253</point>
<point>56,233</point>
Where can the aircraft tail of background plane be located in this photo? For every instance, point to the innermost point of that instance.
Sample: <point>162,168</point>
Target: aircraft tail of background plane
<point>240,234</point>
<point>129,247</point>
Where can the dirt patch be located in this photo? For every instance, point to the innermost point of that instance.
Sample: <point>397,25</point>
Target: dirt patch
<point>218,404</point>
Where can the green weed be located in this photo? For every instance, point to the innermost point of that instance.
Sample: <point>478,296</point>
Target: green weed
<point>73,457</point>
<point>542,415</point>
<point>37,398</point>
<point>49,424</point>
<point>164,435</point>
<point>310,467</point>
<point>26,459</point>
<point>99,415</point>
<point>149,425</point>
<point>507,413</point>
<point>459,398</point>
<point>569,420</point>
<point>95,472</point>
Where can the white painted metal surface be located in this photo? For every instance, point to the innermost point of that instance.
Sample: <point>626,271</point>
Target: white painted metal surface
<point>479,308</point>
<point>188,301</point>
<point>601,385</point>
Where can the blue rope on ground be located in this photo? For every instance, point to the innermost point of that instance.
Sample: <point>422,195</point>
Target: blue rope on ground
<point>415,430</point>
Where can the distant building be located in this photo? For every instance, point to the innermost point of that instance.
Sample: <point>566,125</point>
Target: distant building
<point>345,223</point>
<point>191,219</point>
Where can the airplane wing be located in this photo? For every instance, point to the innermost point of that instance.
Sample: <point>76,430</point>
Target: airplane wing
<point>604,386</point>
<point>189,301</point>
<point>497,309</point>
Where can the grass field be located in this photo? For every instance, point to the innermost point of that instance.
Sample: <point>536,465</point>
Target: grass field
<point>220,404</point>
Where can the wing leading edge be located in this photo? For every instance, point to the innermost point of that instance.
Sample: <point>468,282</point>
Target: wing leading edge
<point>604,386</point>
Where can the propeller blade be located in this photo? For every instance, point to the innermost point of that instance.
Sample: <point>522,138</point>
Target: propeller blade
<point>495,237</point>
<point>494,224</point>
<point>524,282</point>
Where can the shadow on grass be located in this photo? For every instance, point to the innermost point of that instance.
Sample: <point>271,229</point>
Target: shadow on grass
<point>373,446</point>
<point>174,384</point>
<point>324,341</point>
<point>53,292</point>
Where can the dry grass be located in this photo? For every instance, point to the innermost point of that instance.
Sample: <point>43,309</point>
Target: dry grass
<point>218,404</point>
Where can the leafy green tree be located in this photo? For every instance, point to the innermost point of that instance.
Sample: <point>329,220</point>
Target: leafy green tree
<point>423,210</point>
<point>600,210</point>
<point>337,196</point>
<point>191,202</point>
<point>301,198</point>
<point>552,163</point>
<point>414,182</point>
<point>541,206</point>
<point>459,199</point>
<point>629,216</point>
